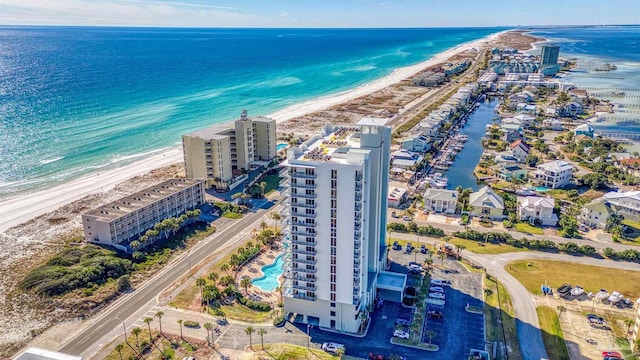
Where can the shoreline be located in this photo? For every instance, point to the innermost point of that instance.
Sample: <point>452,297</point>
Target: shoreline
<point>23,207</point>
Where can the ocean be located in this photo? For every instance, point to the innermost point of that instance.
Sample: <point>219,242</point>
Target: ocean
<point>78,100</point>
<point>592,47</point>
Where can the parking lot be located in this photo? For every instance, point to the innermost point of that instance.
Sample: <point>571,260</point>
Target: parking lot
<point>457,333</point>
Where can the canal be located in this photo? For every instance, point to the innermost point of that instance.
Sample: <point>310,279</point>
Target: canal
<point>461,172</point>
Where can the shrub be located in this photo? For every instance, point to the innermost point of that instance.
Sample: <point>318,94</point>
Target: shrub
<point>191,324</point>
<point>397,227</point>
<point>124,283</point>
<point>254,305</point>
<point>278,321</point>
<point>609,252</point>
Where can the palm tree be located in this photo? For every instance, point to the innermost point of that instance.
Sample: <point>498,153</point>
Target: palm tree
<point>159,315</point>
<point>459,249</point>
<point>148,321</point>
<point>442,256</point>
<point>180,322</point>
<point>428,261</point>
<point>263,186</point>
<point>629,323</point>
<point>213,277</point>
<point>280,289</point>
<point>277,217</point>
<point>119,348</point>
<point>250,330</point>
<point>224,267</point>
<point>263,225</point>
<point>201,282</point>
<point>135,245</point>
<point>339,352</point>
<point>136,332</point>
<point>430,334</point>
<point>415,255</point>
<point>261,332</point>
<point>245,283</point>
<point>208,326</point>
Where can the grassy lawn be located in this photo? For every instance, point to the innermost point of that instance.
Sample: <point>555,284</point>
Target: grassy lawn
<point>273,182</point>
<point>633,224</point>
<point>500,312</point>
<point>552,333</point>
<point>591,278</point>
<point>288,351</point>
<point>528,229</point>
<point>240,312</point>
<point>481,248</point>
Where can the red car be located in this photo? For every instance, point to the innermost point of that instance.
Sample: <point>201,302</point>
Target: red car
<point>376,356</point>
<point>612,354</point>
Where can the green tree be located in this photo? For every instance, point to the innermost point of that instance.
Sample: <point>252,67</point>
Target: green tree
<point>134,245</point>
<point>180,323</point>
<point>159,314</point>
<point>339,352</point>
<point>136,332</point>
<point>225,267</point>
<point>569,225</point>
<point>213,277</point>
<point>201,282</point>
<point>277,217</point>
<point>124,283</point>
<point>245,283</point>
<point>263,186</point>
<point>261,332</point>
<point>249,331</point>
<point>532,160</point>
<point>119,349</point>
<point>430,334</point>
<point>148,321</point>
<point>629,323</point>
<point>208,326</point>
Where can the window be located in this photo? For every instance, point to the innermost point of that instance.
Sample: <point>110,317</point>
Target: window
<point>333,297</point>
<point>333,304</point>
<point>334,174</point>
<point>333,313</point>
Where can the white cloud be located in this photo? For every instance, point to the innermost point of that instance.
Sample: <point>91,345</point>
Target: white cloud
<point>123,12</point>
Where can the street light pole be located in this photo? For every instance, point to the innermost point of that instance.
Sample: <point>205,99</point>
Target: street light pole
<point>308,337</point>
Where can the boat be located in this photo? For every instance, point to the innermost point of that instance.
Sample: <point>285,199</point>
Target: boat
<point>602,295</point>
<point>577,291</point>
<point>615,297</point>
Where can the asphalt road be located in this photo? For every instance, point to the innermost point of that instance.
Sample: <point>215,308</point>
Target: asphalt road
<point>112,317</point>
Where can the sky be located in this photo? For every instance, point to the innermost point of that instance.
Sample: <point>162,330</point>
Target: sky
<point>319,13</point>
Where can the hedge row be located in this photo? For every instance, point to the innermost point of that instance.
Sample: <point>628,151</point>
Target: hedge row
<point>254,305</point>
<point>412,227</point>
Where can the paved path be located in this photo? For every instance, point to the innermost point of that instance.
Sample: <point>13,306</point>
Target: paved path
<point>93,334</point>
<point>529,335</point>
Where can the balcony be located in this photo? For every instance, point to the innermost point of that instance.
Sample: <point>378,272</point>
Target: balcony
<point>302,205</point>
<point>307,287</point>
<point>303,270</point>
<point>304,252</point>
<point>357,206</point>
<point>358,197</point>
<point>357,234</point>
<point>358,187</point>
<point>358,177</point>
<point>305,196</point>
<point>357,216</point>
<point>309,297</point>
<point>301,214</point>
<point>295,174</point>
<point>301,242</point>
<point>303,233</point>
<point>356,245</point>
<point>304,261</point>
<point>303,185</point>
<point>302,223</point>
<point>303,278</point>
<point>356,253</point>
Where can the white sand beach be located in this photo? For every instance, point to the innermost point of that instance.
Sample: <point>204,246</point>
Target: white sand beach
<point>22,208</point>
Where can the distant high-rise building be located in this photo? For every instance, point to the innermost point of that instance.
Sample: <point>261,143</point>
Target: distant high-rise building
<point>336,211</point>
<point>549,55</point>
<point>216,152</point>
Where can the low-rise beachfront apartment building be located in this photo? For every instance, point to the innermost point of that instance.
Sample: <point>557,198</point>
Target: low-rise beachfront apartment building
<point>626,204</point>
<point>337,190</point>
<point>554,174</point>
<point>440,200</point>
<point>221,152</point>
<point>126,219</point>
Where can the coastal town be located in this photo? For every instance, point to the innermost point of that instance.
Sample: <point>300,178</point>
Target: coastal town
<point>471,210</point>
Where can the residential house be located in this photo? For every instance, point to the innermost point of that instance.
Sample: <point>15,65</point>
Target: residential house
<point>551,111</point>
<point>626,204</point>
<point>525,120</point>
<point>440,200</point>
<point>520,150</point>
<point>572,109</point>
<point>405,159</point>
<point>486,204</point>
<point>552,124</point>
<point>532,208</point>
<point>526,108</point>
<point>630,166</point>
<point>511,172</point>
<point>584,129</point>
<point>505,159</point>
<point>416,142</point>
<point>554,174</point>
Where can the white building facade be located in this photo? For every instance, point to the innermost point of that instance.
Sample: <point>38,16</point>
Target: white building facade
<point>532,208</point>
<point>554,174</point>
<point>440,200</point>
<point>336,211</point>
<point>125,219</point>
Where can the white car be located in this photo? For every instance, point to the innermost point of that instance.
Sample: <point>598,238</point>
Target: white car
<point>436,295</point>
<point>401,334</point>
<point>439,289</point>
<point>407,218</point>
<point>331,347</point>
<point>438,282</point>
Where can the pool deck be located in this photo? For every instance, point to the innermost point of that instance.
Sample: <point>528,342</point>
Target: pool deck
<point>253,269</point>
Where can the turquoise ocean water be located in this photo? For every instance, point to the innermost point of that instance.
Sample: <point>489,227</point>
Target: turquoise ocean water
<point>77,100</point>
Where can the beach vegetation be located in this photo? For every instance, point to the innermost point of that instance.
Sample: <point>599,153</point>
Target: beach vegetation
<point>230,210</point>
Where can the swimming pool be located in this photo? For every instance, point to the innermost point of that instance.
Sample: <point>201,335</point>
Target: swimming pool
<point>541,189</point>
<point>269,281</point>
<point>281,146</point>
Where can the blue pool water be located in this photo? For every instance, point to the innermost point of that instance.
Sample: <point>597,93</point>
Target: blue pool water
<point>280,146</point>
<point>269,281</point>
<point>541,189</point>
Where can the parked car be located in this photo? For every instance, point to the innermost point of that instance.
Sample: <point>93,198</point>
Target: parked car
<point>595,317</point>
<point>376,356</point>
<point>401,334</point>
<point>407,218</point>
<point>439,289</point>
<point>423,249</point>
<point>435,314</point>
<point>332,347</point>
<point>612,354</point>
<point>396,246</point>
<point>437,282</point>
<point>416,267</point>
<point>403,321</point>
<point>436,295</point>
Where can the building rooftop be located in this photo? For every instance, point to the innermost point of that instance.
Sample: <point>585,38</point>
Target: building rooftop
<point>373,121</point>
<point>545,202</point>
<point>555,166</point>
<point>441,194</point>
<point>133,202</point>
<point>388,279</point>
<point>36,353</point>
